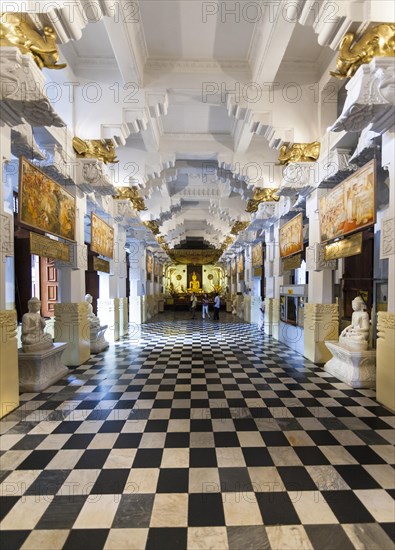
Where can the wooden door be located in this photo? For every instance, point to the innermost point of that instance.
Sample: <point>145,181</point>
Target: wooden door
<point>49,287</point>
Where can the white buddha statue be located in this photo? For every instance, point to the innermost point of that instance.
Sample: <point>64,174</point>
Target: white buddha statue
<point>92,318</point>
<point>34,339</point>
<point>356,335</point>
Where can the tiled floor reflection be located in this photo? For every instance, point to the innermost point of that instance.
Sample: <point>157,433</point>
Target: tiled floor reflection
<point>197,434</point>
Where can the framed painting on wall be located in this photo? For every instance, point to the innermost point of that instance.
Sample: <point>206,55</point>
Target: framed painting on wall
<point>149,265</point>
<point>43,203</point>
<point>156,270</point>
<point>350,206</point>
<point>102,237</point>
<point>257,255</point>
<point>291,237</point>
<point>240,267</point>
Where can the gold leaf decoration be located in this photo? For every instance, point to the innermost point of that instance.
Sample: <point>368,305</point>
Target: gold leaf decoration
<point>379,41</point>
<point>261,195</point>
<point>238,227</point>
<point>152,226</point>
<point>16,31</point>
<point>132,194</point>
<point>299,152</point>
<point>100,149</point>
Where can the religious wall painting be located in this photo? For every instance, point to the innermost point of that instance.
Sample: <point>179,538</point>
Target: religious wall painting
<point>102,237</point>
<point>291,237</point>
<point>350,206</point>
<point>257,255</point>
<point>240,267</point>
<point>149,265</point>
<point>156,271</point>
<point>234,267</point>
<point>43,203</point>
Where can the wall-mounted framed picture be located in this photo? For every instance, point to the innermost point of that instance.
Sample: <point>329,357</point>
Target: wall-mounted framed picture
<point>234,267</point>
<point>44,205</point>
<point>102,237</point>
<point>156,270</point>
<point>350,206</point>
<point>240,267</point>
<point>257,255</point>
<point>291,237</point>
<point>149,265</point>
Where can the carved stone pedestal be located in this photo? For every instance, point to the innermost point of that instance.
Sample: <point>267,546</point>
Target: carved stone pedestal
<point>98,342</point>
<point>355,368</point>
<point>320,324</point>
<point>72,326</point>
<point>40,370</point>
<point>386,359</point>
<point>9,391</point>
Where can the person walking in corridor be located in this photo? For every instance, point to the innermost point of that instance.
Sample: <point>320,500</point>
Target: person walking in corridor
<point>205,307</point>
<point>217,305</point>
<point>193,304</point>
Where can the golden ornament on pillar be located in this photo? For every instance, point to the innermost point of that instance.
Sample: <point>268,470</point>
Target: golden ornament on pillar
<point>152,226</point>
<point>239,226</point>
<point>132,194</point>
<point>100,149</point>
<point>379,41</point>
<point>299,152</point>
<point>261,195</point>
<point>16,31</point>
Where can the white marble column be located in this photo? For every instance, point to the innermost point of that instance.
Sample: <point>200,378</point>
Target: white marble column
<point>320,315</point>
<point>137,298</point>
<point>385,360</point>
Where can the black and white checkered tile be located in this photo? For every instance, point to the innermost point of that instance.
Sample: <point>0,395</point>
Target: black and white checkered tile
<point>197,434</point>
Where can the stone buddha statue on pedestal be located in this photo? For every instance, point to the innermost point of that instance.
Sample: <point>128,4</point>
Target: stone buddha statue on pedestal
<point>92,318</point>
<point>34,339</point>
<point>356,335</point>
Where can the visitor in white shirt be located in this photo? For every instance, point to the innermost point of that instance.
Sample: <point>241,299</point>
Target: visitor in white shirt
<point>217,305</point>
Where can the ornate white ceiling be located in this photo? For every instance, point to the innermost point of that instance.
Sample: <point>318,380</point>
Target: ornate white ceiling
<point>198,98</point>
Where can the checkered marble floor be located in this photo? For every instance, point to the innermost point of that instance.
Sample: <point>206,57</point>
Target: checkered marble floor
<point>198,434</point>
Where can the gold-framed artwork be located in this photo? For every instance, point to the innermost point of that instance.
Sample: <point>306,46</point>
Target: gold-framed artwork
<point>43,203</point>
<point>291,237</point>
<point>257,255</point>
<point>240,266</point>
<point>102,237</point>
<point>156,270</point>
<point>234,267</point>
<point>149,265</point>
<point>350,206</point>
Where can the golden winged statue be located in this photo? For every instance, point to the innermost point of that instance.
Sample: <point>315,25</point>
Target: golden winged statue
<point>379,41</point>
<point>15,31</point>
<point>101,149</point>
<point>152,226</point>
<point>239,226</point>
<point>299,152</point>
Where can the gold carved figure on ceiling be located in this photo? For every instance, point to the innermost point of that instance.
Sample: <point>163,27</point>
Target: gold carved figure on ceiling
<point>132,194</point>
<point>261,195</point>
<point>299,152</point>
<point>239,226</point>
<point>379,41</point>
<point>152,226</point>
<point>100,149</point>
<point>16,31</point>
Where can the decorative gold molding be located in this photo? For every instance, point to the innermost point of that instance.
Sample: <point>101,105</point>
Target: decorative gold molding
<point>49,248</point>
<point>101,265</point>
<point>100,149</point>
<point>195,257</point>
<point>16,31</point>
<point>378,41</point>
<point>152,226</point>
<point>238,227</point>
<point>299,152</point>
<point>132,194</point>
<point>349,246</point>
<point>261,195</point>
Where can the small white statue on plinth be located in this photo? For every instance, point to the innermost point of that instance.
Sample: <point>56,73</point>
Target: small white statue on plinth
<point>234,305</point>
<point>34,339</point>
<point>356,335</point>
<point>92,318</point>
<point>351,360</point>
<point>97,340</point>
<point>40,360</point>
